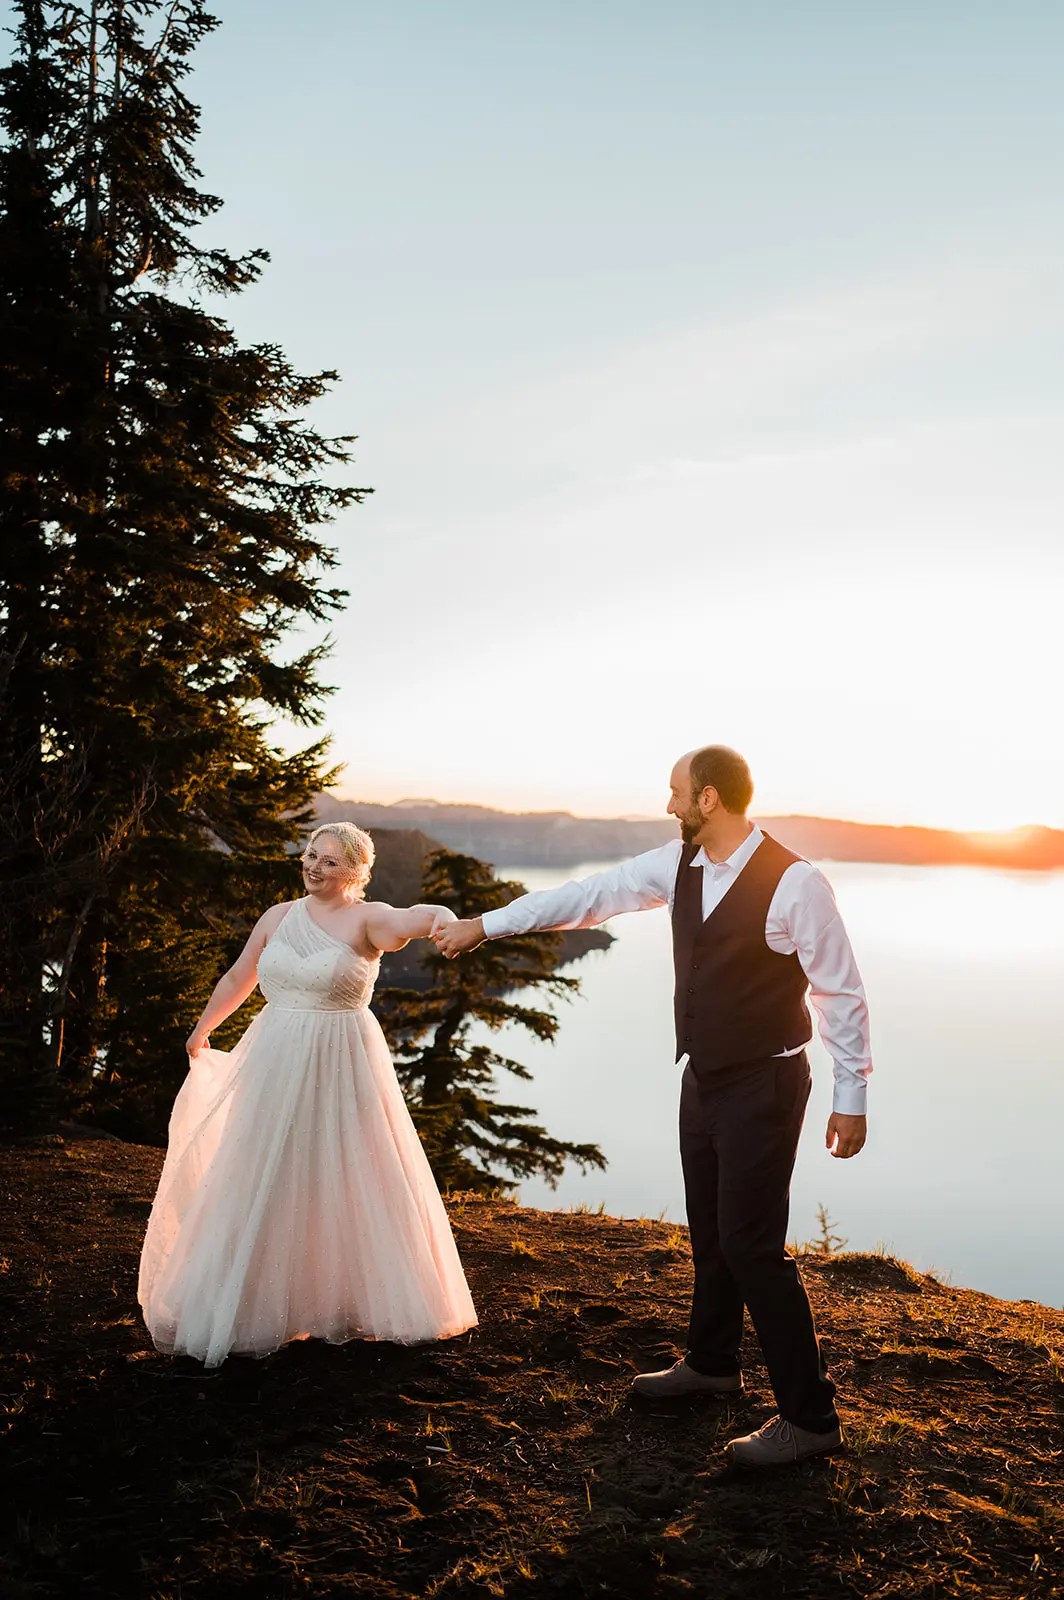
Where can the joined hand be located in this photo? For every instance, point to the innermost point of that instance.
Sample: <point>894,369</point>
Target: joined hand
<point>458,937</point>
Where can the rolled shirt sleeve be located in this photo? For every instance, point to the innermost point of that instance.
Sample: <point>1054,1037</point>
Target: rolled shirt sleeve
<point>804,920</point>
<point>638,884</point>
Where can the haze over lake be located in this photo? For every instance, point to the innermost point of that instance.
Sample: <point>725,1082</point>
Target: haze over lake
<point>962,1171</point>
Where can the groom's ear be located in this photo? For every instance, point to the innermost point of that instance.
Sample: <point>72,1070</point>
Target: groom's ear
<point>708,800</point>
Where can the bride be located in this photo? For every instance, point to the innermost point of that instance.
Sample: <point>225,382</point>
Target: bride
<point>295,1200</point>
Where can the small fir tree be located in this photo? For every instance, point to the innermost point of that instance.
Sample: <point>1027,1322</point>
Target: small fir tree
<point>827,1241</point>
<point>474,1141</point>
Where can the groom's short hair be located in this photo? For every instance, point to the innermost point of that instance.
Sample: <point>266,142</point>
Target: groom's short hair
<point>726,771</point>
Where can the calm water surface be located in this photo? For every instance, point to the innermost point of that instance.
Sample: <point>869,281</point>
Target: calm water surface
<point>963,1171</point>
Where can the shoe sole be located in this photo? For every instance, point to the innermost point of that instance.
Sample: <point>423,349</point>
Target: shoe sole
<point>791,1461</point>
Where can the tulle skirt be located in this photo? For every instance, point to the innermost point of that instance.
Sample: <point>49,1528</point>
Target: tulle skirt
<point>296,1201</point>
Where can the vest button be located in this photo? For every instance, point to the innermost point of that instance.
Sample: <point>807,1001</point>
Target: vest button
<point>690,991</point>
<point>694,966</point>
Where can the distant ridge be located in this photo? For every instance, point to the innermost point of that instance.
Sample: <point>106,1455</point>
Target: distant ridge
<point>556,838</point>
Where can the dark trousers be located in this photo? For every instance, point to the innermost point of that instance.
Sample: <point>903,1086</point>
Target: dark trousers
<point>738,1139</point>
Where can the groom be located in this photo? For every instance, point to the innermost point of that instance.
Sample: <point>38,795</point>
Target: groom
<point>755,930</point>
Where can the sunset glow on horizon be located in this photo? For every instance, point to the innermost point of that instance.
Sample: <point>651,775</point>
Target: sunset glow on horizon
<point>915,701</point>
<point>1001,835</point>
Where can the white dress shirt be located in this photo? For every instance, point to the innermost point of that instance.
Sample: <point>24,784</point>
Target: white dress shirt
<point>802,920</point>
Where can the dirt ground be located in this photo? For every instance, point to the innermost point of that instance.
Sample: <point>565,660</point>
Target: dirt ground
<point>512,1461</point>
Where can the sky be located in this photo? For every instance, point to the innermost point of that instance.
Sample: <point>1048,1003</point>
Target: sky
<point>706,362</point>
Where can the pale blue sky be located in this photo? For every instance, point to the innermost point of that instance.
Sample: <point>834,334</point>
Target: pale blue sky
<point>707,366</point>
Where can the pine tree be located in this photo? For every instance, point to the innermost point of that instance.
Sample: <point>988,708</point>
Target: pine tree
<point>161,496</point>
<point>472,1140</point>
<point>179,919</point>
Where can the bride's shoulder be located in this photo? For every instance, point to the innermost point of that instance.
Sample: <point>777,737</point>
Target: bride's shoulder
<point>374,913</point>
<point>356,916</point>
<point>361,924</point>
<point>275,915</point>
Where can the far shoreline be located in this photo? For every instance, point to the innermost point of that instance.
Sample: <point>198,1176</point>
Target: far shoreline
<point>560,839</point>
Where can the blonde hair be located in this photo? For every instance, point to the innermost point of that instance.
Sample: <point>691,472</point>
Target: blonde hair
<point>357,850</point>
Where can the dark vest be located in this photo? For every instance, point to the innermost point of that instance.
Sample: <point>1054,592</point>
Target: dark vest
<point>736,1000</point>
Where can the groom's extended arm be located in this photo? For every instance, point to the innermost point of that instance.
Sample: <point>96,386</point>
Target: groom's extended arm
<point>637,884</point>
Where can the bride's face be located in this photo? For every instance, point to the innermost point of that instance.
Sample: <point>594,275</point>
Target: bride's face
<point>325,872</point>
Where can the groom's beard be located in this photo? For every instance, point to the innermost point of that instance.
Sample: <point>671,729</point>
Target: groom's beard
<point>690,826</point>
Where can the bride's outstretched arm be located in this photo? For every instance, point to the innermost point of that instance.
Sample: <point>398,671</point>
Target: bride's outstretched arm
<point>234,986</point>
<point>391,927</point>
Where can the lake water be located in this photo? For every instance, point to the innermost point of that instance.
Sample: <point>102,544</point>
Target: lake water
<point>962,1174</point>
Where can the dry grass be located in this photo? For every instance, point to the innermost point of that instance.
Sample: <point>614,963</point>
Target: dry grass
<point>512,1462</point>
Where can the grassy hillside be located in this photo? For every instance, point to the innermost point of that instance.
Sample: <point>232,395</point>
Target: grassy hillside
<point>512,1461</point>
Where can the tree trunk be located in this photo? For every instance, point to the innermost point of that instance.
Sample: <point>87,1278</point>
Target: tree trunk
<point>85,1012</point>
<point>26,1098</point>
<point>437,1062</point>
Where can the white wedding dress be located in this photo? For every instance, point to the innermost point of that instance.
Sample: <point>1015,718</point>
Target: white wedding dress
<point>295,1200</point>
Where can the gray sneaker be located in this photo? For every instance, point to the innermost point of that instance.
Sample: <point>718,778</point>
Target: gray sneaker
<point>680,1380</point>
<point>778,1443</point>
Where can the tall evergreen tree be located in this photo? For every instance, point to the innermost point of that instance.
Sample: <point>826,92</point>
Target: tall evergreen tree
<point>161,501</point>
<point>472,1140</point>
